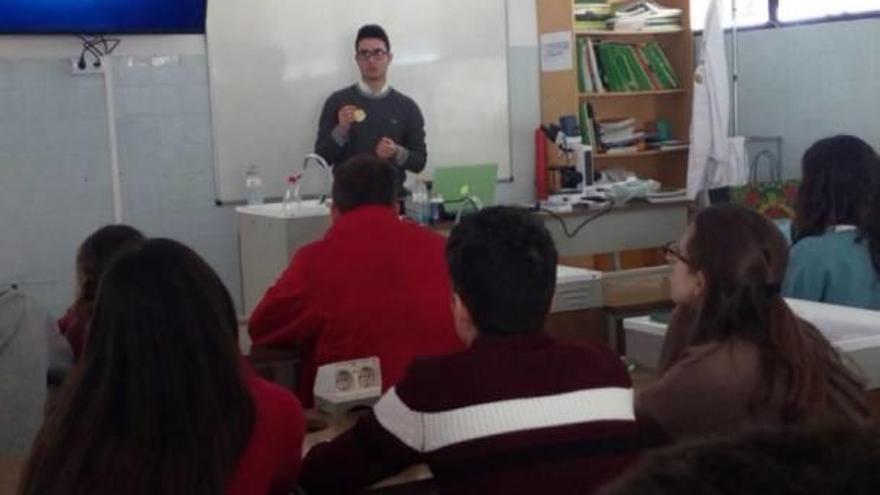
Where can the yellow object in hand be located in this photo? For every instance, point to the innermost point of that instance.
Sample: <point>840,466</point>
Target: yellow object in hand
<point>360,115</point>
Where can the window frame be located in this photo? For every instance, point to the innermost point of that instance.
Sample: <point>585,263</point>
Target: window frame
<point>774,22</point>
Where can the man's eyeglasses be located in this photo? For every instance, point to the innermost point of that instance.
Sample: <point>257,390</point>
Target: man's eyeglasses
<point>673,254</point>
<point>367,55</point>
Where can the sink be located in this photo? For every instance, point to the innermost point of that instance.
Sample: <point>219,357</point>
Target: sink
<point>305,208</point>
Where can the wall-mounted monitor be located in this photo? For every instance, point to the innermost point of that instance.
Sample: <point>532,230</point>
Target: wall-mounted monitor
<point>102,16</point>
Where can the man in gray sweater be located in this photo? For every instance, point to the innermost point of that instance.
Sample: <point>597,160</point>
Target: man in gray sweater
<point>371,117</point>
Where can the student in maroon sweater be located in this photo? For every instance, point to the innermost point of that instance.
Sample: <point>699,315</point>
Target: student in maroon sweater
<point>93,257</point>
<point>161,400</point>
<point>375,285</point>
<point>516,412</point>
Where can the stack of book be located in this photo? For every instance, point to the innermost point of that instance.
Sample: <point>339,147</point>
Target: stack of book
<point>668,145</point>
<point>613,136</point>
<point>605,66</point>
<point>592,14</point>
<point>620,136</point>
<point>645,16</point>
<point>666,196</point>
<point>623,135</point>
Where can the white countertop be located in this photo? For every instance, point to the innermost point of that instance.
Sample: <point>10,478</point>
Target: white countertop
<point>306,208</point>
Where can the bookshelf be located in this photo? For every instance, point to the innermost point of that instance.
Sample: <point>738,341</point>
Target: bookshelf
<point>560,94</point>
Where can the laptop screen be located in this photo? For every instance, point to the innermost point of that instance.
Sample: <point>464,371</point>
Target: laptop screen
<point>456,183</point>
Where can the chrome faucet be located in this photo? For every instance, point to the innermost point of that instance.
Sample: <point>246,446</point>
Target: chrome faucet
<point>314,157</point>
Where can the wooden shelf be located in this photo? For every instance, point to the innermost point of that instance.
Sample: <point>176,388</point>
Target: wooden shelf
<point>627,94</point>
<point>609,156</point>
<point>560,94</point>
<point>623,34</point>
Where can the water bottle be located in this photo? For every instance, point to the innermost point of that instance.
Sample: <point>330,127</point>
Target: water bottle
<point>253,185</point>
<point>436,208</point>
<point>291,201</point>
<point>421,204</point>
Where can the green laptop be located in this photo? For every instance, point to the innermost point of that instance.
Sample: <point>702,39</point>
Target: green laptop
<point>457,182</point>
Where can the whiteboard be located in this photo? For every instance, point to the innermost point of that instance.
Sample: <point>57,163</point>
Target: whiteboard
<point>274,62</point>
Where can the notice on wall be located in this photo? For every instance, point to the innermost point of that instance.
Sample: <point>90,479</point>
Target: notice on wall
<point>556,49</point>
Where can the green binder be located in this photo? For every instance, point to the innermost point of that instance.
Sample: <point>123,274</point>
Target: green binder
<point>641,77</point>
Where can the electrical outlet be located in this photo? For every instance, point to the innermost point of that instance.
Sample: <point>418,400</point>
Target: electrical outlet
<point>349,382</point>
<point>89,68</point>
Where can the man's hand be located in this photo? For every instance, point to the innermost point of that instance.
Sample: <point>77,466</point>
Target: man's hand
<point>386,149</point>
<point>345,117</point>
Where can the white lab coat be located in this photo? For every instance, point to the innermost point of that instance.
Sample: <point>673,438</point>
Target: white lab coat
<point>715,159</point>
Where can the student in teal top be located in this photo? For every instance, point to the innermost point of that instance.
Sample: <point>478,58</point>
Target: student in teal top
<point>836,231</point>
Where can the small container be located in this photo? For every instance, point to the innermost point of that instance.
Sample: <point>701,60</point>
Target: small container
<point>253,185</point>
<point>436,208</point>
<point>420,203</point>
<point>292,200</point>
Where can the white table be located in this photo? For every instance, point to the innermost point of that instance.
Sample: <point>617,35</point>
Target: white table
<point>854,332</point>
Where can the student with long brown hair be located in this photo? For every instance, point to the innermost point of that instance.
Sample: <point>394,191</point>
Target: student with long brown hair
<point>92,258</point>
<point>735,353</point>
<point>836,254</point>
<point>161,400</point>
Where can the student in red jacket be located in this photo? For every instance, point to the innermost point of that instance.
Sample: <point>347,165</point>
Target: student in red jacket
<point>161,400</point>
<point>93,257</point>
<point>375,285</point>
<point>516,413</point>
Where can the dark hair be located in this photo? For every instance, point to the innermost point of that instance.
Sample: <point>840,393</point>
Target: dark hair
<point>841,178</point>
<point>363,180</point>
<point>502,262</point>
<point>743,257</point>
<point>93,257</point>
<point>779,461</point>
<point>373,31</point>
<point>158,403</point>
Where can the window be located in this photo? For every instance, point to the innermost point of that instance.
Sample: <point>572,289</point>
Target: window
<point>757,12</point>
<point>749,13</point>
<point>799,10</point>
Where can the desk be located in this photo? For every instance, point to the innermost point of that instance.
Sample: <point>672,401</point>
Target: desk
<point>633,293</point>
<point>636,225</point>
<point>413,480</point>
<point>855,333</point>
<point>267,242</point>
<point>632,226</point>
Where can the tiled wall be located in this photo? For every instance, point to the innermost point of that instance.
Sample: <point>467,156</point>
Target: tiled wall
<point>809,82</point>
<point>166,157</point>
<point>55,173</point>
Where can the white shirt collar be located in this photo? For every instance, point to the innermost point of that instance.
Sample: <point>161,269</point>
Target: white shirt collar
<point>365,89</point>
<point>843,228</point>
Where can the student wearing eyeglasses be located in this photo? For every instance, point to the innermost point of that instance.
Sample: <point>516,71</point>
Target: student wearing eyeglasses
<point>371,117</point>
<point>735,354</point>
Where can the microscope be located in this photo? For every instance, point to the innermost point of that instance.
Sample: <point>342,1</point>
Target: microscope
<point>578,181</point>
